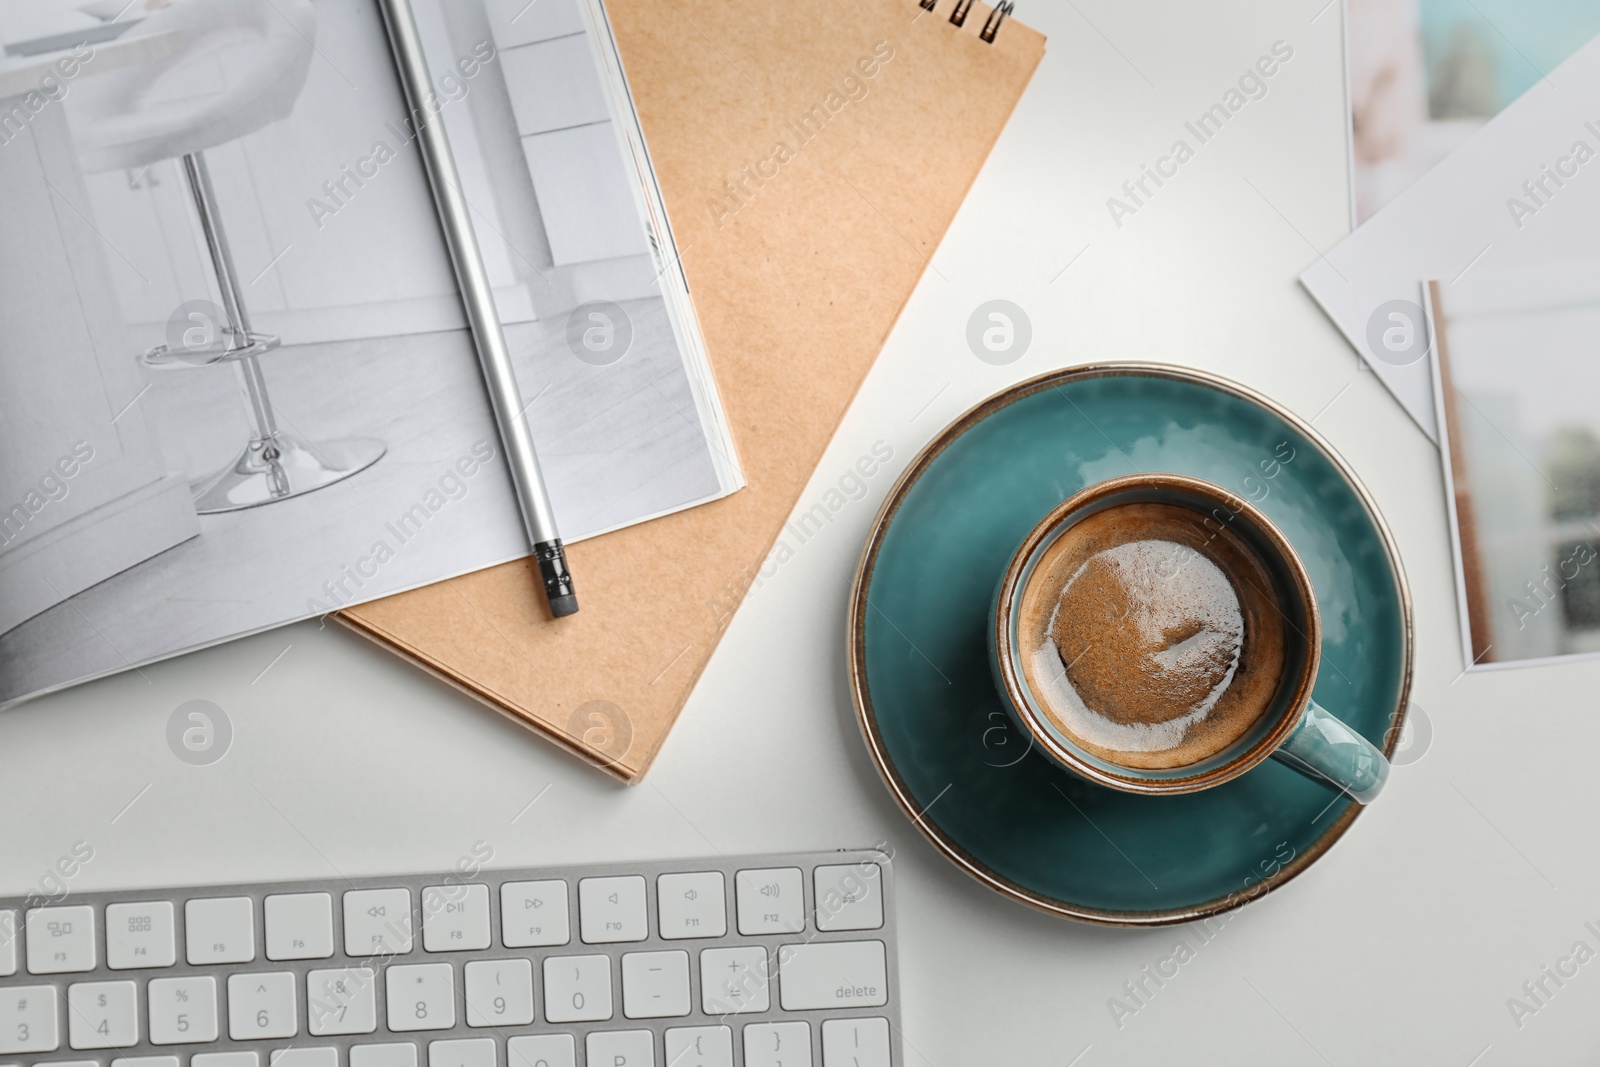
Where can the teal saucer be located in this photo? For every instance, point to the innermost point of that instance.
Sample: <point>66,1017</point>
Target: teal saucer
<point>919,664</point>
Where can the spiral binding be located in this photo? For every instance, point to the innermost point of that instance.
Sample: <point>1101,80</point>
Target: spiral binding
<point>991,25</point>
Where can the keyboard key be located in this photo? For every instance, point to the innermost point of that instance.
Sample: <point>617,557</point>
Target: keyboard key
<point>499,992</point>
<point>183,1011</point>
<point>262,1005</point>
<point>304,1057</point>
<point>377,922</point>
<point>102,1015</point>
<point>145,1061</point>
<point>612,909</point>
<point>399,1054</point>
<point>771,901</point>
<point>61,940</point>
<point>220,930</point>
<point>577,988</point>
<point>849,897</point>
<point>8,943</point>
<point>620,1048</point>
<point>547,1050</point>
<point>299,926</point>
<point>462,1052</point>
<point>691,905</point>
<point>777,1045</point>
<point>140,935</point>
<point>855,1043</point>
<point>655,985</point>
<point>534,913</point>
<point>28,1019</point>
<point>341,1001</point>
<point>225,1059</point>
<point>841,974</point>
<point>700,1046</point>
<point>69,1063</point>
<point>421,996</point>
<point>455,918</point>
<point>733,980</point>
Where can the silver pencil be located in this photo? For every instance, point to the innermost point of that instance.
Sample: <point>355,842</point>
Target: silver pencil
<point>478,298</point>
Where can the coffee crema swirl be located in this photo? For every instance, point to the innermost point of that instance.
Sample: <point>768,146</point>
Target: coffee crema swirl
<point>1149,635</point>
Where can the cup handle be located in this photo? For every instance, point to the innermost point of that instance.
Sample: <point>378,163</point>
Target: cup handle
<point>1324,749</point>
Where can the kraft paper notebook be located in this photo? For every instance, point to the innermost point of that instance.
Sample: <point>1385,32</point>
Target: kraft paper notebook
<point>811,157</point>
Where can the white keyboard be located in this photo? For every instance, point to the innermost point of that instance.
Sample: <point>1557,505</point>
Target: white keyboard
<point>771,961</point>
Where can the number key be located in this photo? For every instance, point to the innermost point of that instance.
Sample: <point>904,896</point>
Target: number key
<point>102,1015</point>
<point>421,996</point>
<point>183,1011</point>
<point>28,1019</point>
<point>499,993</point>
<point>341,1001</point>
<point>577,988</point>
<point>262,1005</point>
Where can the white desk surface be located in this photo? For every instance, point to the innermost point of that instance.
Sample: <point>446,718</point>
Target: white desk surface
<point>1403,945</point>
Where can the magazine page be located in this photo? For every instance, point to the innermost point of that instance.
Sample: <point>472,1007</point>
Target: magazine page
<point>235,385</point>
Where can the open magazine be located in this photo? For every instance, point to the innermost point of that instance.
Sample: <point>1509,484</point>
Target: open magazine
<point>236,386</point>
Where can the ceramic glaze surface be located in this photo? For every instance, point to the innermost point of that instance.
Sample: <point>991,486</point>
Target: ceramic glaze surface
<point>920,659</point>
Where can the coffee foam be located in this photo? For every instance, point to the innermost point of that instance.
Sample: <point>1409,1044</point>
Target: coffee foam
<point>1149,636</point>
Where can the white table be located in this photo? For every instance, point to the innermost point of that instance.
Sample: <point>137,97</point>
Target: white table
<point>1475,870</point>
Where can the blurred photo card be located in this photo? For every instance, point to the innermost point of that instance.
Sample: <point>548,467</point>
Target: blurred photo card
<point>1524,192</point>
<point>1424,75</point>
<point>1520,433</point>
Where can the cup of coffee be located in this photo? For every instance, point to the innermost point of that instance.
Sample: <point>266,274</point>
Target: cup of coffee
<point>1158,634</point>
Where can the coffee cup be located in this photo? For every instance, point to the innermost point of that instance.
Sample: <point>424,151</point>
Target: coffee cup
<point>1158,634</point>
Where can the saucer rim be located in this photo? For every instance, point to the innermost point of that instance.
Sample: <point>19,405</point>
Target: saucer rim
<point>855,639</point>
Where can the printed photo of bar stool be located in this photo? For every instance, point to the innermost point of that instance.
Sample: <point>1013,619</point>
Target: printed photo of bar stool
<point>140,116</point>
